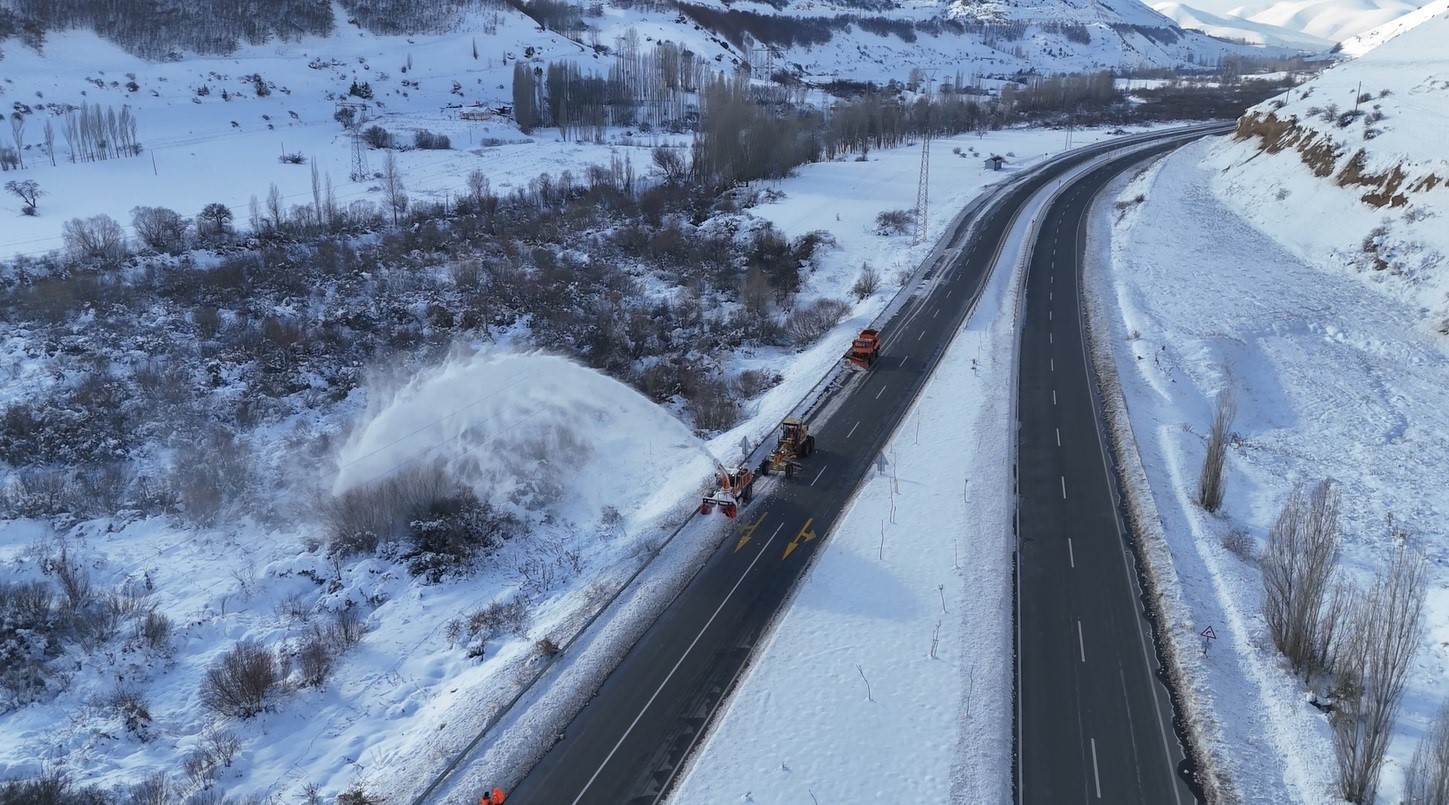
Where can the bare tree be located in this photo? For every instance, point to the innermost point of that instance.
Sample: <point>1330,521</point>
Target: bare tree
<point>1210,482</point>
<point>1427,782</point>
<point>49,134</point>
<point>1371,670</point>
<point>160,228</point>
<point>670,164</point>
<point>217,217</point>
<point>1298,567</point>
<point>394,194</point>
<point>17,130</point>
<point>29,193</point>
<point>98,237</point>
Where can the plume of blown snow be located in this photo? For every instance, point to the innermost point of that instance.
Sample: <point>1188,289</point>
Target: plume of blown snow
<point>531,433</point>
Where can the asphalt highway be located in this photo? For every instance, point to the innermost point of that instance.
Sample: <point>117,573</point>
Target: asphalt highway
<point>1094,721</point>
<point>630,740</point>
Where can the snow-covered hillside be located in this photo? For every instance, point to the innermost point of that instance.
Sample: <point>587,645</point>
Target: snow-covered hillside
<point>1362,146</point>
<point>1368,40</point>
<point>1228,26</point>
<point>1316,20</point>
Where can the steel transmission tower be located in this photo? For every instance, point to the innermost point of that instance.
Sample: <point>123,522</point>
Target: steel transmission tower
<point>359,148</point>
<point>923,188</point>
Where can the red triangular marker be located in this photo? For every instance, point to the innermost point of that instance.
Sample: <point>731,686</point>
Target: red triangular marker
<point>1209,633</point>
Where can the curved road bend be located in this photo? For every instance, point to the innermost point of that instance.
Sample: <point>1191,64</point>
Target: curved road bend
<point>630,740</point>
<point>1094,721</point>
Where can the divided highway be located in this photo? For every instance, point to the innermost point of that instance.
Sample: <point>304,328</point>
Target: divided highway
<point>628,743</point>
<point>1094,721</point>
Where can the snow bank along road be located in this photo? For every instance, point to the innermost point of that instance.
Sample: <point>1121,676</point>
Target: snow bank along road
<point>1094,723</point>
<point>627,744</point>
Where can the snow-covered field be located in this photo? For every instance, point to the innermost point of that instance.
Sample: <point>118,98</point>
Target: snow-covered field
<point>1333,380</point>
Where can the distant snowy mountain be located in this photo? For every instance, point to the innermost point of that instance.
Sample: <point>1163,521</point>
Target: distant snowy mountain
<point>1364,42</point>
<point>1358,150</point>
<point>1231,27</point>
<point>1332,20</point>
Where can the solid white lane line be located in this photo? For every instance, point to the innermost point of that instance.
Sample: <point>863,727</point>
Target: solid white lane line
<point>692,644</point>
<point>882,391</point>
<point>817,476</point>
<point>1064,487</point>
<point>1081,645</point>
<point>1095,776</point>
<point>1071,555</point>
<point>852,430</point>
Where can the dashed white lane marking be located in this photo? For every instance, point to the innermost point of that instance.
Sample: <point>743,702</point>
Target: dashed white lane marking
<point>1054,396</point>
<point>1071,554</point>
<point>1095,776</point>
<point>922,335</point>
<point>817,476</point>
<point>882,391</point>
<point>1054,363</point>
<point>1059,437</point>
<point>937,313</point>
<point>852,430</point>
<point>1081,645</point>
<point>1064,487</point>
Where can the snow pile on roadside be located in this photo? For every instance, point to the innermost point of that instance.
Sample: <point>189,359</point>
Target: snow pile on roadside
<point>1332,381</point>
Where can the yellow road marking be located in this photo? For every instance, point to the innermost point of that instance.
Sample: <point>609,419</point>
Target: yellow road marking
<point>749,531</point>
<point>805,535</point>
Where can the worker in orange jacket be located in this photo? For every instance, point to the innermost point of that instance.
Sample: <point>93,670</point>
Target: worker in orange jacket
<point>494,797</point>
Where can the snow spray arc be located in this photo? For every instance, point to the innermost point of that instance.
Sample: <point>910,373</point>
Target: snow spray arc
<point>528,432</point>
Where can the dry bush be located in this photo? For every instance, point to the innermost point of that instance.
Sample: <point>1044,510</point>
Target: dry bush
<point>867,283</point>
<point>487,622</point>
<point>1298,568</point>
<point>74,580</point>
<point>713,407</point>
<point>129,704</point>
<point>1240,544</point>
<point>314,661</point>
<point>894,222</point>
<point>1427,781</point>
<point>49,788</point>
<point>154,790</point>
<point>808,323</point>
<point>356,795</point>
<point>154,630</point>
<point>752,382</point>
<point>547,647</point>
<point>238,683</point>
<point>1371,669</point>
<point>363,517</point>
<point>1210,482</point>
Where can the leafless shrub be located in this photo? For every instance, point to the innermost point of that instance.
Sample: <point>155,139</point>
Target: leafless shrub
<point>363,517</point>
<point>154,630</point>
<point>238,683</point>
<point>1298,567</point>
<point>1427,781</point>
<point>487,622</point>
<point>713,407</point>
<point>348,627</point>
<point>314,661</point>
<point>1371,669</point>
<point>51,787</point>
<point>1240,544</point>
<point>756,381</point>
<point>356,795</point>
<point>160,228</point>
<point>809,322</point>
<point>294,608</point>
<point>74,580</point>
<point>1210,482</point>
<point>894,222</point>
<point>129,704</point>
<point>867,283</point>
<point>547,647</point>
<point>154,790</point>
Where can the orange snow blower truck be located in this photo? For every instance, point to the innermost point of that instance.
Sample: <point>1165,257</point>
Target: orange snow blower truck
<point>736,487</point>
<point>864,349</point>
